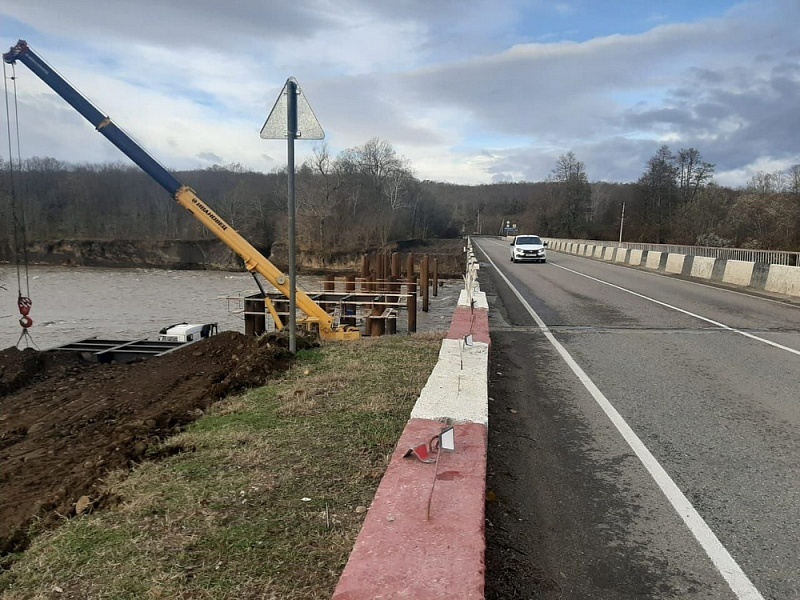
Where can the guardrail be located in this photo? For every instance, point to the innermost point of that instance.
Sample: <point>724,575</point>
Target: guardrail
<point>768,257</point>
<point>769,277</point>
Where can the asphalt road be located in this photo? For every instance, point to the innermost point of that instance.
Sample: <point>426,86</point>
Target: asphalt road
<point>644,435</point>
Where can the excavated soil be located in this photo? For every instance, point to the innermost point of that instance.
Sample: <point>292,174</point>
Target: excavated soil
<point>66,422</point>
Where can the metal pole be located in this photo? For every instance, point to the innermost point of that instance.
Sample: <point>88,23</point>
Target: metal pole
<point>291,134</point>
<point>411,290</point>
<point>424,278</point>
<point>621,221</point>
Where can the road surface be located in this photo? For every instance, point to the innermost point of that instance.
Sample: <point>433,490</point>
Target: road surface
<point>644,435</point>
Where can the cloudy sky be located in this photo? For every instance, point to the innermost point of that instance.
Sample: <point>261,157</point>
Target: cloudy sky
<point>469,91</point>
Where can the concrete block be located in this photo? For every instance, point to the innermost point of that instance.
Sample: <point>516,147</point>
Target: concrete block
<point>472,298</point>
<point>456,388</point>
<point>622,255</point>
<point>653,260</point>
<point>675,263</point>
<point>738,272</point>
<point>702,267</point>
<point>783,279</point>
<point>635,258</point>
<point>608,253</point>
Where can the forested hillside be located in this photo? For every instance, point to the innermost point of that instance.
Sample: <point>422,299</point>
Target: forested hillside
<point>368,195</point>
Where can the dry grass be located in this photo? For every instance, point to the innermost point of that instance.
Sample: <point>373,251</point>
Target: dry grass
<point>259,498</point>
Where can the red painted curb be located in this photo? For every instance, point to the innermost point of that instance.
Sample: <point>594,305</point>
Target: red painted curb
<point>400,552</point>
<point>468,321</point>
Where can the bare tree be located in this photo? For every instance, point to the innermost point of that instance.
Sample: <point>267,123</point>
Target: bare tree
<point>572,196</point>
<point>382,180</point>
<point>659,191</point>
<point>794,180</point>
<point>693,173</point>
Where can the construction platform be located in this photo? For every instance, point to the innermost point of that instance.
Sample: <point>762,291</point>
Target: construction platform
<point>119,351</point>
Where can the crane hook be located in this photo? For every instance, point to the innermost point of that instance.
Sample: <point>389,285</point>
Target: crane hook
<point>24,303</point>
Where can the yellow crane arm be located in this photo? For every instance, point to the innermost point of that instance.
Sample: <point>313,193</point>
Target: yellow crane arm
<point>255,261</point>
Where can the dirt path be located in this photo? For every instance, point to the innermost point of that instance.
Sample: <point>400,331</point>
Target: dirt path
<point>65,422</point>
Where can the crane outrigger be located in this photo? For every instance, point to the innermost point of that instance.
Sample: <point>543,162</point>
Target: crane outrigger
<point>254,261</point>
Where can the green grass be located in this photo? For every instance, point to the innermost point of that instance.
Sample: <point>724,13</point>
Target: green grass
<point>256,500</point>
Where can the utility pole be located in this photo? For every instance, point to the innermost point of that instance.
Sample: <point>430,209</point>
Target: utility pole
<point>621,222</point>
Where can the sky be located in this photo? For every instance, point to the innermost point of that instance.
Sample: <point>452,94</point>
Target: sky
<point>468,91</point>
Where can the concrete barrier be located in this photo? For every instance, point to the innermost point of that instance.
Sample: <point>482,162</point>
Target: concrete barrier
<point>778,279</point>
<point>653,260</point>
<point>783,279</point>
<point>702,267</point>
<point>675,263</point>
<point>738,272</point>
<point>423,536</point>
<point>635,258</point>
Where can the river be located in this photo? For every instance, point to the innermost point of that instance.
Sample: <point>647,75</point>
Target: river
<point>75,303</point>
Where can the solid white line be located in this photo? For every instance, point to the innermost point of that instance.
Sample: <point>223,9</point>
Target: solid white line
<point>739,583</point>
<point>686,312</point>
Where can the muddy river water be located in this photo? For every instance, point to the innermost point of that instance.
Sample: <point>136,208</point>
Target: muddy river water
<point>71,304</point>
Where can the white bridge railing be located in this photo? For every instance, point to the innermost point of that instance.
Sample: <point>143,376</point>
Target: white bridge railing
<point>770,257</point>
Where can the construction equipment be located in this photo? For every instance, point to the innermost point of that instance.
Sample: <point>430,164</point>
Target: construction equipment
<point>254,261</point>
<point>187,332</point>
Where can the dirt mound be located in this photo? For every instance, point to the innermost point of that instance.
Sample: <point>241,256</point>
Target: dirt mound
<point>64,422</point>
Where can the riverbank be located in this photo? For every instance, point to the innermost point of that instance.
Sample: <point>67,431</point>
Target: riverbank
<point>213,254</point>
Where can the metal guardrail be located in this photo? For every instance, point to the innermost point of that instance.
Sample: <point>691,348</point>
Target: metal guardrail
<point>770,257</point>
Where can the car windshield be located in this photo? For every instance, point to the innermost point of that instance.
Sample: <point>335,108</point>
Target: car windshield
<point>528,239</point>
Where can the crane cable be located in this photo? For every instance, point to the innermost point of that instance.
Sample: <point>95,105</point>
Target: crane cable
<point>24,302</point>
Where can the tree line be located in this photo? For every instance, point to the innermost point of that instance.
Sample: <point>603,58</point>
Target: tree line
<point>675,201</point>
<point>362,198</point>
<point>368,195</point>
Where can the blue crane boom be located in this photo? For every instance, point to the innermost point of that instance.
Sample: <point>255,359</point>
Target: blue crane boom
<point>24,54</point>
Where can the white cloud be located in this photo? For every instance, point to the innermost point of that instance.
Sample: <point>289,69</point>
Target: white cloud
<point>461,90</point>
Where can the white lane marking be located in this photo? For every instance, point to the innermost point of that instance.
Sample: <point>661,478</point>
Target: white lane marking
<point>686,312</point>
<point>739,583</point>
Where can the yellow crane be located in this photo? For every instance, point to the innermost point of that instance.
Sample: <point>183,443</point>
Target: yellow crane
<point>254,261</point>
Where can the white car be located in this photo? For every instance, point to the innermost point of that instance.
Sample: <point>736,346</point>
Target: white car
<point>528,247</point>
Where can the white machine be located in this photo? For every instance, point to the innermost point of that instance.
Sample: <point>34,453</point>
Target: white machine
<point>187,332</point>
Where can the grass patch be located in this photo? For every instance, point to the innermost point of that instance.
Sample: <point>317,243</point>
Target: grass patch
<point>256,500</point>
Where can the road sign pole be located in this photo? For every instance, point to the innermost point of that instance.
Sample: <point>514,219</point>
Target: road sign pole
<point>292,118</point>
<point>291,130</point>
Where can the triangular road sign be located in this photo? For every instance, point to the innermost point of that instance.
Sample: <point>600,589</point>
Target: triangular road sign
<point>308,128</point>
